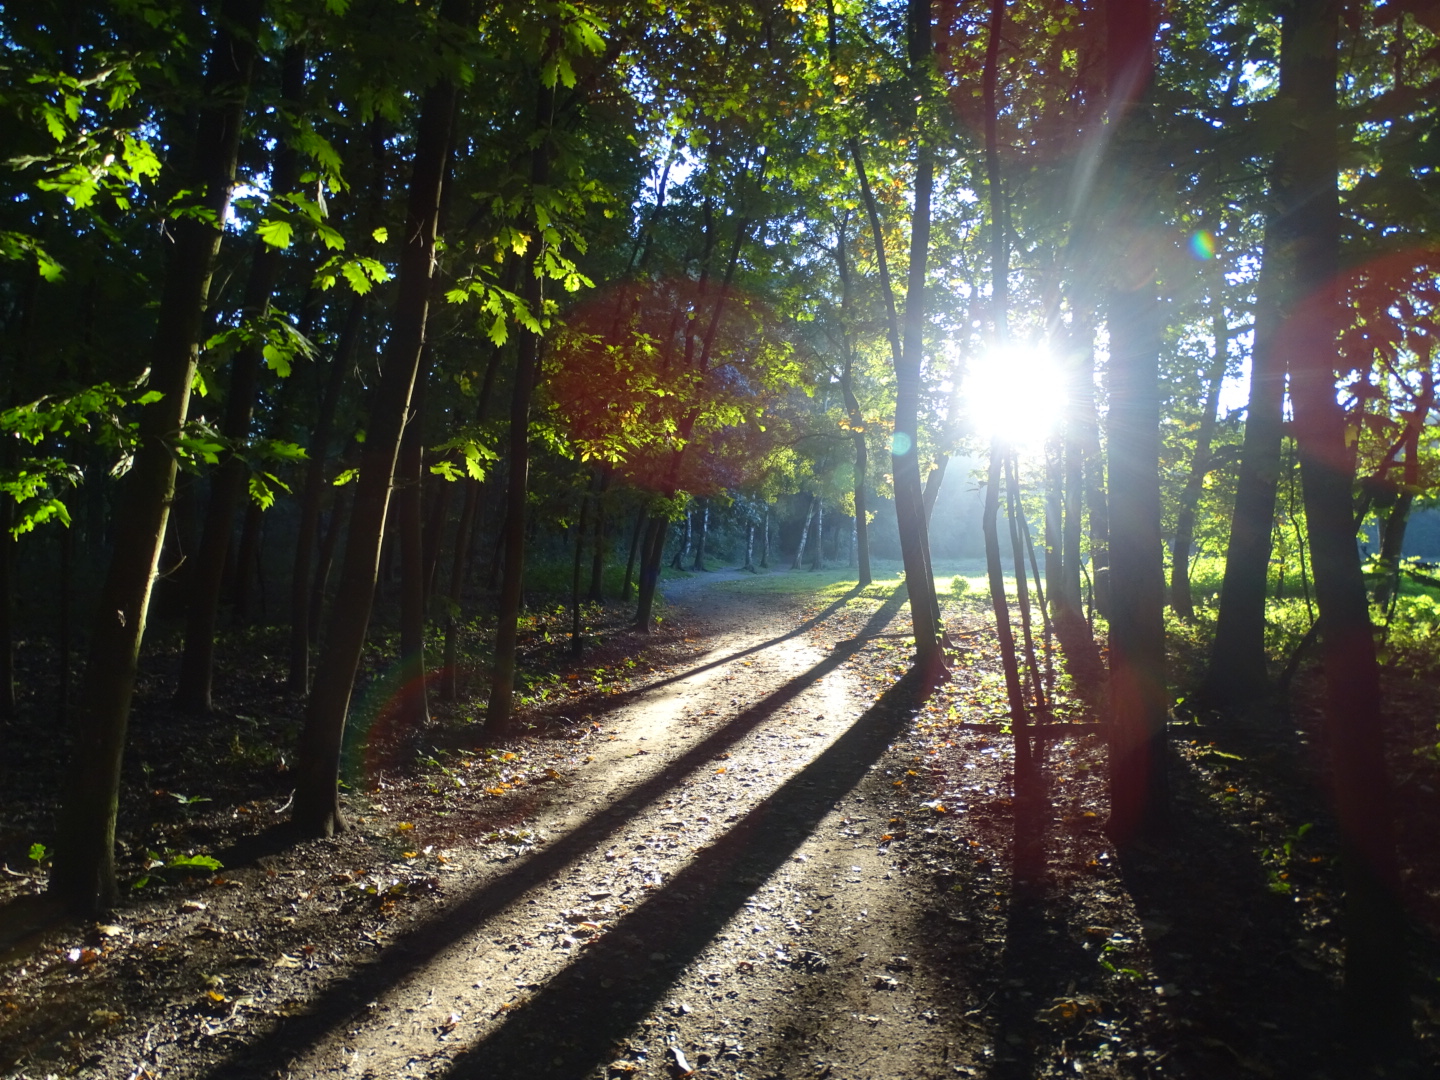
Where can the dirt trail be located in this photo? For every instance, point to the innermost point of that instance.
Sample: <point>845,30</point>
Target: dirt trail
<point>709,893</point>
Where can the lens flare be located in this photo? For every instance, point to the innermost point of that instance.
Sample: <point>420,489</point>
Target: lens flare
<point>1202,245</point>
<point>1017,393</point>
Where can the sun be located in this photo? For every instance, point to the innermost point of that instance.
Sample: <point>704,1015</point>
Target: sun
<point>1016,394</point>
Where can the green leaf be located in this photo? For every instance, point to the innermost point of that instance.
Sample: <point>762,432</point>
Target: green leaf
<point>381,234</point>
<point>276,233</point>
<point>346,476</point>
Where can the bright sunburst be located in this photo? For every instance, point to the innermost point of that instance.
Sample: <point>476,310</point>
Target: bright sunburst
<point>1016,394</point>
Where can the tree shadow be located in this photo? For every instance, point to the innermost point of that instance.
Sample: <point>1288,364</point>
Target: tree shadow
<point>608,702</point>
<point>842,763</point>
<point>609,989</point>
<point>1236,966</point>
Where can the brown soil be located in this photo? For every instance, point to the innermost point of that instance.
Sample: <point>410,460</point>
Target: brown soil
<point>768,855</point>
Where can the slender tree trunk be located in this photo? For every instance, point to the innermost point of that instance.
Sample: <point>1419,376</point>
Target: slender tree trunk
<point>325,559</point>
<point>1180,598</point>
<point>317,803</point>
<point>805,533</point>
<point>228,481</point>
<point>1237,671</point>
<point>527,368</point>
<point>1376,986</point>
<point>1139,797</point>
<point>818,562</point>
<point>750,547</point>
<point>641,516</point>
<point>1065,598</point>
<point>652,548</point>
<point>765,540</point>
<point>1005,633</point>
<point>1013,514</point>
<point>83,871</point>
<point>683,549</point>
<point>597,559</point>
<point>414,702</point>
<point>702,536</point>
<point>245,562</point>
<point>301,622</point>
<point>577,644</point>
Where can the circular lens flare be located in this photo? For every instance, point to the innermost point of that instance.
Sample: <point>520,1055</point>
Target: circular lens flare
<point>1202,245</point>
<point>1016,394</point>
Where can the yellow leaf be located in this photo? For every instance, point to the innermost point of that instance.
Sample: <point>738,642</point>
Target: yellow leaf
<point>404,825</point>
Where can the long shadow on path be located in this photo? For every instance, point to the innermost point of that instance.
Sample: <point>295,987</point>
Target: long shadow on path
<point>607,991</point>
<point>412,953</point>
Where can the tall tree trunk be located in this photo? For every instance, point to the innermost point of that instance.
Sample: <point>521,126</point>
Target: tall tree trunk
<point>765,540</point>
<point>1376,987</point>
<point>641,517</point>
<point>317,802</point>
<point>1014,516</point>
<point>83,872</point>
<point>1181,600</point>
<point>301,623</point>
<point>702,535</point>
<point>1009,660</point>
<point>856,419</point>
<point>1237,670</point>
<point>597,558</point>
<point>651,549</point>
<point>1066,599</point>
<point>1139,796</point>
<point>577,645</point>
<point>407,490</point>
<point>246,559</point>
<point>683,549</point>
<point>228,481</point>
<point>818,562</point>
<point>805,533</point>
<point>527,367</point>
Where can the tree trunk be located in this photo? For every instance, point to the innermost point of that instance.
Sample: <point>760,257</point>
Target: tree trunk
<point>1181,600</point>
<point>527,368</point>
<point>1237,671</point>
<point>597,559</point>
<point>317,803</point>
<point>702,536</point>
<point>245,562</point>
<point>1376,987</point>
<point>577,645</point>
<point>765,540</point>
<point>652,548</point>
<point>414,705</point>
<point>301,622</point>
<point>805,533</point>
<point>1138,787</point>
<point>83,871</point>
<point>640,518</point>
<point>1005,633</point>
<point>678,562</point>
<point>818,562</point>
<point>228,481</point>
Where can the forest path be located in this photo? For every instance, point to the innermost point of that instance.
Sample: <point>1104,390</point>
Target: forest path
<point>715,890</point>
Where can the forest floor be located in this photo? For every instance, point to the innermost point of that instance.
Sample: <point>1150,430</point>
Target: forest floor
<point>747,846</point>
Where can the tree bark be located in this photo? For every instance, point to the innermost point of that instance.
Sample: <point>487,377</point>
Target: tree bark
<point>1005,633</point>
<point>407,491</point>
<point>301,622</point>
<point>83,872</point>
<point>317,802</point>
<point>702,536</point>
<point>1181,600</point>
<point>1376,987</point>
<point>1139,795</point>
<point>805,533</point>
<point>228,481</point>
<point>527,366</point>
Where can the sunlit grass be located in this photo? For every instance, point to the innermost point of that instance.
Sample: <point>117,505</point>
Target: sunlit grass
<point>888,575</point>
